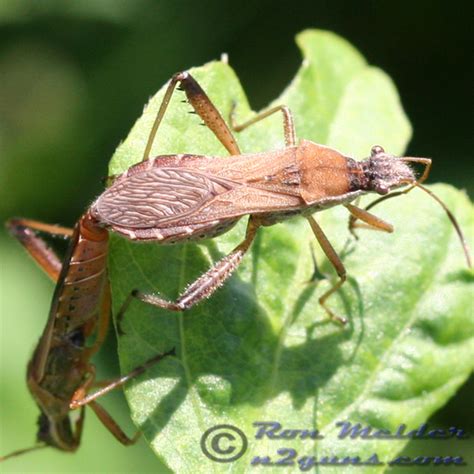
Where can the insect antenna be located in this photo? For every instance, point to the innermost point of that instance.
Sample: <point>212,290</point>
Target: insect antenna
<point>417,184</point>
<point>453,220</point>
<point>19,452</point>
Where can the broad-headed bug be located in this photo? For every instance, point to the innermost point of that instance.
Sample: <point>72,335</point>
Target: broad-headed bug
<point>60,373</point>
<point>176,198</point>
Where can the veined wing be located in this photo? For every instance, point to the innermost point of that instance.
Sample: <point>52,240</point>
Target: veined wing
<point>156,196</point>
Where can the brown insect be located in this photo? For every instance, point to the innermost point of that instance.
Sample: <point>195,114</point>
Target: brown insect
<point>176,198</point>
<point>60,374</point>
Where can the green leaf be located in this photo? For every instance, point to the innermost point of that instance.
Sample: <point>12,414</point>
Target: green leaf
<point>260,349</point>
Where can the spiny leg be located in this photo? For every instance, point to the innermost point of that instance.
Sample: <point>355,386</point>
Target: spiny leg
<point>288,122</point>
<point>80,399</point>
<point>336,263</point>
<point>25,231</point>
<point>204,286</point>
<point>203,107</point>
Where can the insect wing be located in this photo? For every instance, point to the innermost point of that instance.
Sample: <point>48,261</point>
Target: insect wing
<point>158,196</point>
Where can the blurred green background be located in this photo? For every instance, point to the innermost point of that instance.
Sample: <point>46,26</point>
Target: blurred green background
<point>74,76</point>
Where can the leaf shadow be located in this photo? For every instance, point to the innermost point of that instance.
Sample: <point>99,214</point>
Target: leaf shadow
<point>231,341</point>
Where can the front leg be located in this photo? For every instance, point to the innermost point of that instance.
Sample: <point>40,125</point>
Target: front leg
<point>371,222</point>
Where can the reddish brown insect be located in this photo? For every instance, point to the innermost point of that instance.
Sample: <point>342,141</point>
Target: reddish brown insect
<point>175,198</point>
<point>60,374</point>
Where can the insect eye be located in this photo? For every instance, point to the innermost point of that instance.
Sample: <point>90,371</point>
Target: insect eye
<point>381,189</point>
<point>376,149</point>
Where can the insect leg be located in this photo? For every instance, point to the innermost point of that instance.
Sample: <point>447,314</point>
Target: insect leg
<point>417,184</point>
<point>80,400</point>
<point>19,452</point>
<point>336,263</point>
<point>288,122</point>
<point>205,285</point>
<point>79,426</point>
<point>107,420</point>
<point>25,231</point>
<point>371,222</point>
<point>102,414</point>
<point>204,108</point>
